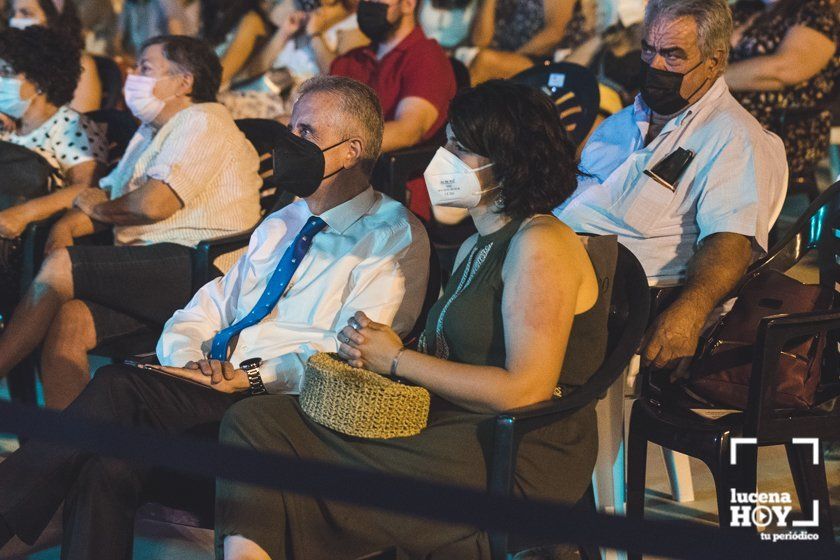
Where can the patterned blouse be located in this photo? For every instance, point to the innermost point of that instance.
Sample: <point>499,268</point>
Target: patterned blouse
<point>796,113</point>
<point>517,21</point>
<point>65,140</point>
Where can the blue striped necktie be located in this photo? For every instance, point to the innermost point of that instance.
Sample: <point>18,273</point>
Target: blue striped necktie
<point>274,289</point>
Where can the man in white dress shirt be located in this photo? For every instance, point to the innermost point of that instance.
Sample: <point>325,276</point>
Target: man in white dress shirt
<point>698,225</point>
<point>366,251</point>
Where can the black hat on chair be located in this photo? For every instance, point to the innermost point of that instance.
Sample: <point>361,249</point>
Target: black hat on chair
<point>574,91</point>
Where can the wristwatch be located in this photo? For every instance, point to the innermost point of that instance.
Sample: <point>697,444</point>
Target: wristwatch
<point>251,367</point>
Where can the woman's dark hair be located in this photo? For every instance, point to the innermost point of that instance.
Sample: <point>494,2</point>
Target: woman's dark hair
<point>194,57</point>
<point>43,56</point>
<point>517,127</point>
<point>66,21</point>
<point>220,17</point>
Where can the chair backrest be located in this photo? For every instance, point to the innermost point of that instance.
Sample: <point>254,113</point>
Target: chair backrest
<point>819,227</point>
<point>627,320</point>
<point>111,79</point>
<point>393,170</point>
<point>826,230</point>
<point>120,127</point>
<point>574,91</point>
<point>432,295</point>
<point>262,134</point>
<point>462,74</point>
<point>805,234</point>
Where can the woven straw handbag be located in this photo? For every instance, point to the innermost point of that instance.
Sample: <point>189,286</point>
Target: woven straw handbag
<point>360,403</point>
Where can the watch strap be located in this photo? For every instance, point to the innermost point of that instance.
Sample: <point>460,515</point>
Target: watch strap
<point>251,368</point>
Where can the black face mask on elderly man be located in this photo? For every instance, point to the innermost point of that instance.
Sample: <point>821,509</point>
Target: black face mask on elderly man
<point>299,164</point>
<point>661,89</point>
<point>373,20</point>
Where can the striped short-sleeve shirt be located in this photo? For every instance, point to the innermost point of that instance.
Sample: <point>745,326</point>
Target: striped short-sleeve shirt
<point>209,164</point>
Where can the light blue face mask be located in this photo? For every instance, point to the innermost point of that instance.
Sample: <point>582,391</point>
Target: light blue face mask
<point>23,23</point>
<point>10,102</point>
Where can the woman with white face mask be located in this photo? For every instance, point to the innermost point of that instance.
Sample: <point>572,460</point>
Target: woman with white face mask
<point>64,19</point>
<point>38,73</point>
<point>496,340</point>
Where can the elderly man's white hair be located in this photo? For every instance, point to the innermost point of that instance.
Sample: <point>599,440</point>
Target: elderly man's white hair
<point>713,18</point>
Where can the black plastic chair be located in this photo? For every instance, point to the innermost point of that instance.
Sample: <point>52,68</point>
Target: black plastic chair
<point>432,295</point>
<point>111,79</point>
<point>394,169</point>
<point>462,74</point>
<point>120,127</point>
<point>661,416</point>
<point>574,91</point>
<point>628,317</point>
<point>261,133</point>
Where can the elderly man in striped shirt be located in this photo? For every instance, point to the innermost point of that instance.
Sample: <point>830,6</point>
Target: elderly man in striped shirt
<point>188,174</point>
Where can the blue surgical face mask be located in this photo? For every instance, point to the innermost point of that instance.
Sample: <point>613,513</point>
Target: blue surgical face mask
<point>10,102</point>
<point>23,23</point>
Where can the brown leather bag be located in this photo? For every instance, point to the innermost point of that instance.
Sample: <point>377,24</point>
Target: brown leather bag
<point>721,371</point>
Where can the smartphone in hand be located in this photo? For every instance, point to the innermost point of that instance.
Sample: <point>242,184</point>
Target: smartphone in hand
<point>169,372</point>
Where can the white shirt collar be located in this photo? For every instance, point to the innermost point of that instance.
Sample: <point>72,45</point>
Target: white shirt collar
<point>641,112</point>
<point>341,217</point>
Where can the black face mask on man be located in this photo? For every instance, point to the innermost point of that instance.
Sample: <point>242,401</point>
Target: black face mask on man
<point>661,89</point>
<point>299,164</point>
<point>373,20</point>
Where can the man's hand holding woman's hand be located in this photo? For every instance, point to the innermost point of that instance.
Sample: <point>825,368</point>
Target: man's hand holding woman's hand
<point>368,344</point>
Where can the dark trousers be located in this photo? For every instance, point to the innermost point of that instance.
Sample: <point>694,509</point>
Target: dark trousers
<point>101,495</point>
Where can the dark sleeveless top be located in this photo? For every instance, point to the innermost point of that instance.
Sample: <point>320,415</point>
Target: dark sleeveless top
<point>466,324</point>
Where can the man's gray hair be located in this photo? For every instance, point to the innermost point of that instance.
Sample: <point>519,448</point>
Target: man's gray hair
<point>361,113</point>
<point>713,18</point>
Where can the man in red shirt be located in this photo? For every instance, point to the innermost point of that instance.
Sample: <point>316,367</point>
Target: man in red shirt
<point>410,73</point>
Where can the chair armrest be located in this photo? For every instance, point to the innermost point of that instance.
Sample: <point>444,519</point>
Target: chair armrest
<point>540,410</point>
<point>773,333</point>
<point>509,428</point>
<point>34,240</point>
<point>210,249</point>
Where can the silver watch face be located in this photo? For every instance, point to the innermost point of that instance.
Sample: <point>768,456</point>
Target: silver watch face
<point>250,363</point>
